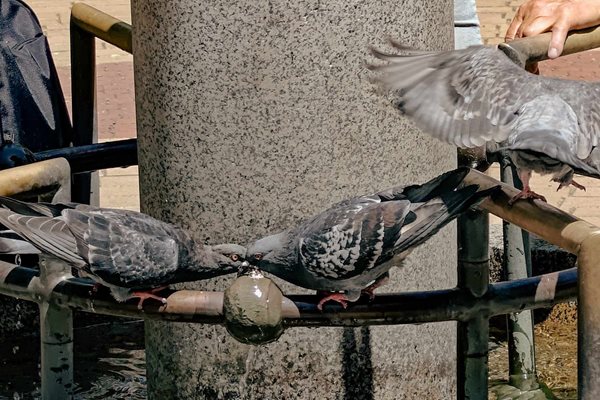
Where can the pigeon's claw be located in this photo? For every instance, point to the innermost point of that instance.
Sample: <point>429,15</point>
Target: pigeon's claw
<point>148,294</point>
<point>566,182</point>
<point>332,296</point>
<point>526,193</point>
<point>578,185</point>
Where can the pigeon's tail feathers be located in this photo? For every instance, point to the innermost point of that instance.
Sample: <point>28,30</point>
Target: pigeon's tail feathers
<point>49,235</point>
<point>426,219</point>
<point>462,199</point>
<point>437,186</point>
<point>17,246</point>
<point>445,183</point>
<point>34,209</point>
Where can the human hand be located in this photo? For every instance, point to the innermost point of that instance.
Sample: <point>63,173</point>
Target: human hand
<point>559,16</point>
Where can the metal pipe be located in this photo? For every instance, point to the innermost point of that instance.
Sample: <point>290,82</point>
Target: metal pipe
<point>517,264</point>
<point>473,278</point>
<point>578,237</point>
<point>301,310</point>
<point>588,319</point>
<point>535,48</point>
<point>83,91</point>
<point>120,153</point>
<point>36,176</point>
<point>56,334</point>
<point>537,217</point>
<point>102,26</point>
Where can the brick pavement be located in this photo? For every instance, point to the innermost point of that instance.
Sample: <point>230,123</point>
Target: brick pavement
<point>116,111</point>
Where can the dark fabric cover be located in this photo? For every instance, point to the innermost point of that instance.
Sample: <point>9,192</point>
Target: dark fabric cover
<point>32,107</point>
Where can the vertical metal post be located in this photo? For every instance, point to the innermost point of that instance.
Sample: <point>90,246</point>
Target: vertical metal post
<point>56,329</point>
<point>56,333</point>
<point>517,255</point>
<point>83,90</point>
<point>473,335</point>
<point>588,319</point>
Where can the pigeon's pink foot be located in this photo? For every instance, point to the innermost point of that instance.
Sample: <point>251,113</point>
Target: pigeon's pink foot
<point>149,294</point>
<point>526,193</point>
<point>332,296</point>
<point>379,282</point>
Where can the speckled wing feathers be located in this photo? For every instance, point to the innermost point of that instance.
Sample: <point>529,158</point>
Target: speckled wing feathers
<point>347,240</point>
<point>121,250</point>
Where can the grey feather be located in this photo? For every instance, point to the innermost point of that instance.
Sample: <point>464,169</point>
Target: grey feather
<point>354,242</point>
<point>122,249</point>
<point>477,96</point>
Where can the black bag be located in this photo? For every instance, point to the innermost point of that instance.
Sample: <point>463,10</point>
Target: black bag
<point>32,106</point>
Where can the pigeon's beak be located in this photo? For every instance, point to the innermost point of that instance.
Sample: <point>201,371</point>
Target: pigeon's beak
<point>243,268</point>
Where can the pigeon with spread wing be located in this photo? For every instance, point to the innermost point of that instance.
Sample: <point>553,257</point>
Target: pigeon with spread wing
<point>478,96</point>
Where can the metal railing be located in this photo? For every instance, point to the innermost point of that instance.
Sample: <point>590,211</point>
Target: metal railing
<point>471,303</point>
<point>87,23</point>
<point>58,292</point>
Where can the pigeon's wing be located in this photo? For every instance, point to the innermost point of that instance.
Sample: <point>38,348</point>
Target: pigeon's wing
<point>49,235</point>
<point>464,97</point>
<point>123,250</point>
<point>344,242</point>
<point>550,126</point>
<point>477,95</point>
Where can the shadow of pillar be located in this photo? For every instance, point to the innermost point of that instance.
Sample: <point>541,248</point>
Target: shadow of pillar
<point>357,367</point>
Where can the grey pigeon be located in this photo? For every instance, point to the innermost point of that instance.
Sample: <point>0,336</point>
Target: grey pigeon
<point>131,253</point>
<point>478,96</point>
<point>351,246</point>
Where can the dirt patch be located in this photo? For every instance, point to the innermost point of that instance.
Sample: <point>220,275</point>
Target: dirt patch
<point>556,353</point>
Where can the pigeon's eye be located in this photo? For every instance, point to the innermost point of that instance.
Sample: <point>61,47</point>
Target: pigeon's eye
<point>258,256</point>
<point>234,257</point>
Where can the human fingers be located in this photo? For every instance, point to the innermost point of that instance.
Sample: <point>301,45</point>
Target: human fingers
<point>515,24</point>
<point>536,25</point>
<point>559,35</point>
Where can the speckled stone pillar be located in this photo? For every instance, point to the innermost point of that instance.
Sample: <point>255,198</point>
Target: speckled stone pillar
<point>253,114</point>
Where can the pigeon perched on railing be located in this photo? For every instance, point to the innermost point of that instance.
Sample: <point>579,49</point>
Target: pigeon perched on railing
<point>351,246</point>
<point>133,254</point>
<point>478,96</point>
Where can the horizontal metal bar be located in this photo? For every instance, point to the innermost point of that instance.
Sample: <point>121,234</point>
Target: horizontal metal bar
<point>301,310</point>
<point>535,48</point>
<point>32,177</point>
<point>537,217</point>
<point>102,25</point>
<point>121,153</point>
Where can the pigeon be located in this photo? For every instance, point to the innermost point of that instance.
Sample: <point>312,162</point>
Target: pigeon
<point>131,253</point>
<point>478,96</point>
<point>350,247</point>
